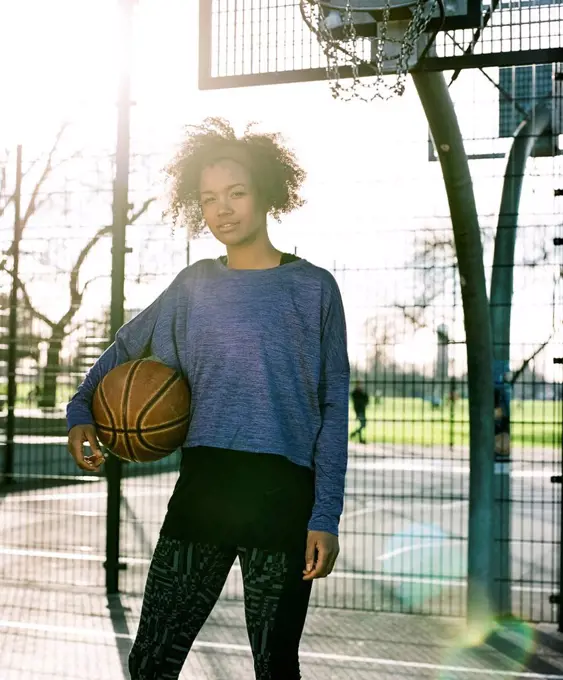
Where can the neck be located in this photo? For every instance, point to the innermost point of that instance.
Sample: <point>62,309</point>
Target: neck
<point>257,255</point>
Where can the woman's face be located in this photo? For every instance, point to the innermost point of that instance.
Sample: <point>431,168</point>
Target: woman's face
<point>228,203</point>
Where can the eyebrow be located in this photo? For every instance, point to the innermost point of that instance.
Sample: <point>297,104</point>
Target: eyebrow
<point>231,186</point>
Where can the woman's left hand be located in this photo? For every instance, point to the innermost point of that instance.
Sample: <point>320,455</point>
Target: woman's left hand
<point>320,556</point>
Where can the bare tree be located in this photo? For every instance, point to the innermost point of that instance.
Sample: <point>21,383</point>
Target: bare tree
<point>59,327</point>
<point>436,261</point>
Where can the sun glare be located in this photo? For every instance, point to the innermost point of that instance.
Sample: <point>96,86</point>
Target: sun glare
<point>62,57</point>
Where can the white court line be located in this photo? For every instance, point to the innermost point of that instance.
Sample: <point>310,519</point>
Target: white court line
<point>341,658</point>
<point>65,478</point>
<point>347,575</point>
<point>363,511</point>
<point>32,498</point>
<point>412,548</point>
<point>24,552</point>
<point>436,465</point>
<point>85,495</point>
<point>159,491</point>
<point>381,503</point>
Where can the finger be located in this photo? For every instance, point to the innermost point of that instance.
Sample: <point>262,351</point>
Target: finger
<point>331,563</point>
<point>77,452</point>
<point>310,554</point>
<point>94,461</point>
<point>96,457</point>
<point>93,441</point>
<point>76,447</point>
<point>320,568</point>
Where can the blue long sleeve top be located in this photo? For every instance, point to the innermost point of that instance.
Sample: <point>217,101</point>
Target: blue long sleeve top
<point>265,356</point>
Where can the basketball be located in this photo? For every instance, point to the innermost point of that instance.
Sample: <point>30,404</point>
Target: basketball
<point>141,410</point>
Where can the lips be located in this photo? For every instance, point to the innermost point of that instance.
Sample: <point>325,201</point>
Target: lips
<point>228,226</point>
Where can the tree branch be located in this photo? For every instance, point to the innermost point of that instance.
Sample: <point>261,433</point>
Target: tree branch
<point>27,301</point>
<point>143,209</point>
<point>413,314</point>
<point>92,280</point>
<point>32,205</point>
<point>516,374</point>
<point>4,182</point>
<point>431,247</point>
<point>77,295</point>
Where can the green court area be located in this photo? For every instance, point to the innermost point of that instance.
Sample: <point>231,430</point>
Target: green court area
<point>417,422</point>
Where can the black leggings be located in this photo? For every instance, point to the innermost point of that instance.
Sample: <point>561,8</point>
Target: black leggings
<point>183,585</point>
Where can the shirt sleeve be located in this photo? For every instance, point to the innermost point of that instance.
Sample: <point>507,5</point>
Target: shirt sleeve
<point>331,449</point>
<point>132,341</point>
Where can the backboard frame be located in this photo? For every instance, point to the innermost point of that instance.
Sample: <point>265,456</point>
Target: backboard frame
<point>467,60</point>
<point>526,95</point>
<point>471,18</point>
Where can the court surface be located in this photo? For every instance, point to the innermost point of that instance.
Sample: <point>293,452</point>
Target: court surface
<point>57,622</point>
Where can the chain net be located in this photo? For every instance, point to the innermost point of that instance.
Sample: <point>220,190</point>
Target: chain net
<point>371,56</point>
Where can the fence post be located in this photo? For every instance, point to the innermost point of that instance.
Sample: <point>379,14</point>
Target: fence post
<point>557,598</point>
<point>8,471</point>
<point>502,285</point>
<point>436,101</point>
<point>120,220</point>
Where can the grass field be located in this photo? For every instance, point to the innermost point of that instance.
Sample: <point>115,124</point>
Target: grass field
<point>26,392</point>
<point>414,421</point>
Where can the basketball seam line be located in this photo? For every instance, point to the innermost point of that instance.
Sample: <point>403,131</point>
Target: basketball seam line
<point>173,379</point>
<point>176,377</point>
<point>148,445</point>
<point>105,404</point>
<point>124,404</point>
<point>151,428</point>
<point>161,428</point>
<point>153,447</point>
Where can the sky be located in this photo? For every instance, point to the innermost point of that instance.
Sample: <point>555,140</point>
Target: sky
<point>370,187</point>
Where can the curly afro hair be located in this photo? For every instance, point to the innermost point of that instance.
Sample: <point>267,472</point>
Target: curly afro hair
<point>273,169</point>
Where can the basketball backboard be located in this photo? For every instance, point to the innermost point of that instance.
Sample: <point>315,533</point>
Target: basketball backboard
<point>520,89</point>
<point>259,42</point>
<point>526,87</point>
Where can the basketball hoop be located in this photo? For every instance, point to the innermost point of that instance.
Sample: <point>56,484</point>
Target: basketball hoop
<point>373,38</point>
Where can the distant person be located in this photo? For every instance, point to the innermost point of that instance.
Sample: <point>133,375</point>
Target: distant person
<point>502,424</point>
<point>360,400</point>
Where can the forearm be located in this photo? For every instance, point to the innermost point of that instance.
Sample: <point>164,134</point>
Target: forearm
<point>78,410</point>
<point>331,449</point>
<point>331,459</point>
<point>132,341</point>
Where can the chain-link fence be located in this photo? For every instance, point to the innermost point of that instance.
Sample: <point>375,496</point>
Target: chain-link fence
<point>404,530</point>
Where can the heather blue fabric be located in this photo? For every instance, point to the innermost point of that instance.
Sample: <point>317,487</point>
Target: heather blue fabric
<point>265,355</point>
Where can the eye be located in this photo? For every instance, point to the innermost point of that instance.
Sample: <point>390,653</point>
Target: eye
<point>239,193</point>
<point>207,200</point>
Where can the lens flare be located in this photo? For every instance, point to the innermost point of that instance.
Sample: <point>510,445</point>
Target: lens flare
<point>422,562</point>
<point>507,647</point>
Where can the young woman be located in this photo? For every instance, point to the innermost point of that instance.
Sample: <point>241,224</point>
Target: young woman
<point>260,337</point>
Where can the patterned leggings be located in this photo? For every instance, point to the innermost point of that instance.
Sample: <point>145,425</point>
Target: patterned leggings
<point>183,585</point>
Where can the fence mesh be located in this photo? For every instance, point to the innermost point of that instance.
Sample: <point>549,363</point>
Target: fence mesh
<point>267,41</point>
<point>404,530</point>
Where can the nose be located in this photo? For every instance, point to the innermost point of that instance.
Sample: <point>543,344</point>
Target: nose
<point>224,207</point>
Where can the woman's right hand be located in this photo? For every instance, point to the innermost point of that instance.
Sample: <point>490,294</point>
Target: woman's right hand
<point>77,437</point>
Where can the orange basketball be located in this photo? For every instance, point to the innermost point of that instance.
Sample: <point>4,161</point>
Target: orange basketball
<point>141,409</point>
